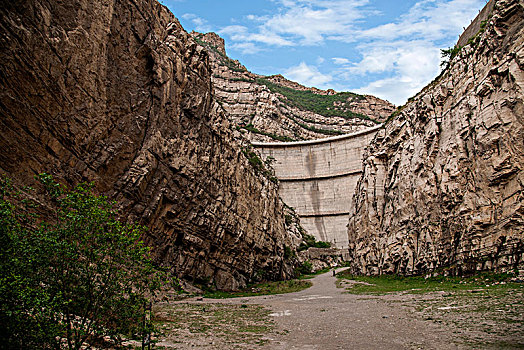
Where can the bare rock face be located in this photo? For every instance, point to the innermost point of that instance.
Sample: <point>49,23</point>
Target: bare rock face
<point>443,184</point>
<point>118,93</point>
<point>269,108</point>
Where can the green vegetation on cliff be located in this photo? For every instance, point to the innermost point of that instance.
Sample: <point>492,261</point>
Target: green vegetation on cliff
<point>254,130</point>
<point>321,104</point>
<point>311,242</point>
<point>223,60</point>
<point>260,166</point>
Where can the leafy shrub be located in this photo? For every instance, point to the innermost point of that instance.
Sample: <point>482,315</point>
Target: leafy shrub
<point>73,279</point>
<point>305,268</point>
<point>288,252</point>
<point>260,167</point>
<point>311,242</point>
<point>448,54</point>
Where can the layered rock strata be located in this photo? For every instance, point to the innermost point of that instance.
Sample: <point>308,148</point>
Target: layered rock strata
<point>118,93</point>
<point>442,186</point>
<point>272,108</point>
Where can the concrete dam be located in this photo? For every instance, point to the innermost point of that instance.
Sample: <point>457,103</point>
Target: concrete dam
<point>318,178</point>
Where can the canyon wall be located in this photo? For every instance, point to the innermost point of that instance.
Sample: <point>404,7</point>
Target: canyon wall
<point>317,178</point>
<point>442,187</point>
<point>116,92</point>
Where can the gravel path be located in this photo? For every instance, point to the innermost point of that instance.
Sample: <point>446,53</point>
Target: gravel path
<point>323,317</point>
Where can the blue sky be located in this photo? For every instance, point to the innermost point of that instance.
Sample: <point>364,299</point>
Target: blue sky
<point>390,49</point>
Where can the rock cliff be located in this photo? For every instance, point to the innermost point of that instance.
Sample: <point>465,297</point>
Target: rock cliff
<point>118,93</point>
<point>442,187</point>
<point>272,108</point>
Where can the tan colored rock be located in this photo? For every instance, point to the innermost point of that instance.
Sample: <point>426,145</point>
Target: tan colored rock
<point>442,187</point>
<point>263,115</point>
<point>118,93</point>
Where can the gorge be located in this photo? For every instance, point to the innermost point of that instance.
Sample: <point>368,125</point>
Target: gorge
<point>164,122</point>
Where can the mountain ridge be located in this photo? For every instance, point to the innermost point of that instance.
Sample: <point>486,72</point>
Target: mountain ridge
<point>266,108</point>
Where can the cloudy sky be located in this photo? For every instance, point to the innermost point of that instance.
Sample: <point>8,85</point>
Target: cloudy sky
<point>387,48</point>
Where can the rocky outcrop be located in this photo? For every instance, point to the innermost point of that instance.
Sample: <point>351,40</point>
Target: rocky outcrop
<point>118,93</point>
<point>442,187</point>
<point>274,108</point>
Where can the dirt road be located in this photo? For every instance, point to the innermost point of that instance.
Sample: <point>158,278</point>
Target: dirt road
<point>323,317</point>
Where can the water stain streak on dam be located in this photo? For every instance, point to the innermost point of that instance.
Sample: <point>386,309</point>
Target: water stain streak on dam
<point>318,178</point>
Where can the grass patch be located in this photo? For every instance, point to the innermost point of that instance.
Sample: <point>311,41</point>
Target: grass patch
<point>377,285</point>
<point>484,311</point>
<point>202,325</point>
<point>265,288</point>
<point>325,105</point>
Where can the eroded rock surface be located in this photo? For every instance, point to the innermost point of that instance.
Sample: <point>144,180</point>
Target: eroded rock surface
<point>443,184</point>
<point>262,109</point>
<point>118,93</point>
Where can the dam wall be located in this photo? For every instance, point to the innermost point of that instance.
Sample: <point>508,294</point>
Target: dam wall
<point>318,178</point>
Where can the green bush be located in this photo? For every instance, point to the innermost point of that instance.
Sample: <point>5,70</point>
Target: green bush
<point>322,244</point>
<point>448,54</point>
<point>305,268</point>
<point>311,242</point>
<point>260,166</point>
<point>288,252</point>
<point>72,279</point>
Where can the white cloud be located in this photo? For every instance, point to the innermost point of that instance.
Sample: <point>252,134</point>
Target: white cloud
<point>413,65</point>
<point>340,61</point>
<point>402,55</point>
<point>246,48</point>
<point>241,35</point>
<point>302,22</point>
<point>308,75</point>
<point>409,50</point>
<point>201,25</point>
<point>427,20</point>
